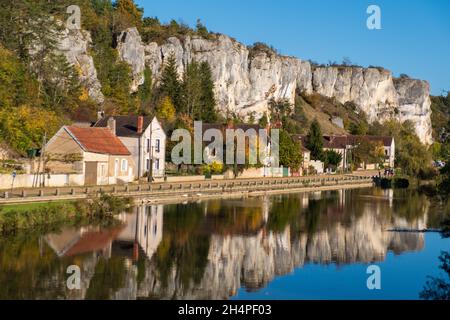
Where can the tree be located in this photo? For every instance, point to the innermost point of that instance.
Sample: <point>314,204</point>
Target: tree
<point>359,129</point>
<point>201,29</point>
<point>367,151</point>
<point>166,110</point>
<point>145,93</point>
<point>314,141</point>
<point>207,100</point>
<point>191,91</point>
<point>290,154</point>
<point>438,288</point>
<point>127,15</point>
<point>413,157</point>
<point>332,158</point>
<point>23,127</point>
<point>170,83</point>
<point>279,109</point>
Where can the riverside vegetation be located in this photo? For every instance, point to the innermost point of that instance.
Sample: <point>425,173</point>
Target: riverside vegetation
<point>49,216</point>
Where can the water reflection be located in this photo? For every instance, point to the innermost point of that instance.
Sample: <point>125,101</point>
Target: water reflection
<point>209,250</point>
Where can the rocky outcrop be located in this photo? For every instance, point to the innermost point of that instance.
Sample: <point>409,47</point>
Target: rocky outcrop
<point>74,44</point>
<point>132,51</point>
<point>243,84</point>
<point>246,80</point>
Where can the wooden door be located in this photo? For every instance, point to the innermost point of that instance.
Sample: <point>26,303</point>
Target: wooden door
<point>90,173</point>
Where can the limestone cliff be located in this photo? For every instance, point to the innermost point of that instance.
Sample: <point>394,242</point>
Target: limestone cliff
<point>246,80</point>
<point>74,44</point>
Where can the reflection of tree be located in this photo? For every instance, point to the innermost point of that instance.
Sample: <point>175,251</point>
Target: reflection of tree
<point>109,277</point>
<point>183,248</point>
<point>283,212</point>
<point>234,219</point>
<point>26,269</point>
<point>409,204</point>
<point>438,288</point>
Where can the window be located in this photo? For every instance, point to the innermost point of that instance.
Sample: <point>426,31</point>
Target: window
<point>148,145</point>
<point>157,164</point>
<point>158,143</point>
<point>124,165</point>
<point>148,164</point>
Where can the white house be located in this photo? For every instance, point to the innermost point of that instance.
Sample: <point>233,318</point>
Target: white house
<point>146,140</point>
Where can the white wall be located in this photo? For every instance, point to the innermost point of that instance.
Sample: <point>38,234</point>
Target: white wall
<point>56,180</point>
<point>156,132</point>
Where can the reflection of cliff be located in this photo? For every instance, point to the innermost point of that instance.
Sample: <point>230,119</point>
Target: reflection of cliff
<point>211,249</point>
<point>235,260</point>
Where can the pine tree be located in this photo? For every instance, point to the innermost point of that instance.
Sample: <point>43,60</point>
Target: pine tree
<point>191,91</point>
<point>314,141</point>
<point>170,84</point>
<point>207,110</point>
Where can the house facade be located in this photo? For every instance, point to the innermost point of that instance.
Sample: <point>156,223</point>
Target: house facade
<point>251,133</point>
<point>344,144</point>
<point>144,137</point>
<point>96,153</point>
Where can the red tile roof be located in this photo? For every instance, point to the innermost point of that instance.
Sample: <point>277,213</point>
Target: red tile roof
<point>98,140</point>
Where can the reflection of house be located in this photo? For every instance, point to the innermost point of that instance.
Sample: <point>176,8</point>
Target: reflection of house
<point>94,152</point>
<point>144,227</point>
<point>144,137</point>
<point>71,242</point>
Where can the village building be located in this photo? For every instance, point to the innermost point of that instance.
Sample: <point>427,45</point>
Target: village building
<point>145,138</point>
<point>94,153</point>
<point>251,131</point>
<point>345,144</point>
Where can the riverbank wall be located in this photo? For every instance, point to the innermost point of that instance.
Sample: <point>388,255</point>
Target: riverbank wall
<point>190,190</point>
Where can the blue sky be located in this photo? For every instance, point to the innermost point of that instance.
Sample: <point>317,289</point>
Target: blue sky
<point>414,39</point>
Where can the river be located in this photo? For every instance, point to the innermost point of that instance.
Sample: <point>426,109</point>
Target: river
<point>294,246</point>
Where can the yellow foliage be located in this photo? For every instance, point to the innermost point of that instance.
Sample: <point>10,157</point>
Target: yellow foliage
<point>23,127</point>
<point>84,95</point>
<point>166,110</point>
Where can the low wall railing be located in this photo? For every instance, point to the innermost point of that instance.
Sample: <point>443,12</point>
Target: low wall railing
<point>172,188</point>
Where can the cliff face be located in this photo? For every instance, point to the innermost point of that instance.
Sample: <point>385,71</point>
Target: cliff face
<point>246,80</point>
<point>74,44</point>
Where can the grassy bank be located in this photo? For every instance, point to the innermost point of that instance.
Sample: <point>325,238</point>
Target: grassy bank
<point>45,216</point>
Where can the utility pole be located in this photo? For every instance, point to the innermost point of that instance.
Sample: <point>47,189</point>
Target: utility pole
<point>150,170</point>
<point>44,142</point>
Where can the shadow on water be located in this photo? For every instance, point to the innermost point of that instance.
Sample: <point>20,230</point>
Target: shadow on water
<point>212,249</point>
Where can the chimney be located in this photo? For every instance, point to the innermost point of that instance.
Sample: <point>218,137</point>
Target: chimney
<point>112,125</point>
<point>140,124</point>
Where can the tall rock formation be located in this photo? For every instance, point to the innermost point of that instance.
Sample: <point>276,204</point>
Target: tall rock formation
<point>245,79</point>
<point>74,44</point>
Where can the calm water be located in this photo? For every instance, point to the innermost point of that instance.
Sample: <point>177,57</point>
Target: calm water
<point>297,246</point>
